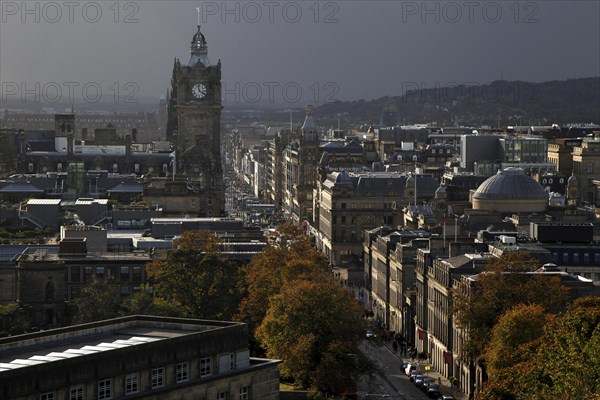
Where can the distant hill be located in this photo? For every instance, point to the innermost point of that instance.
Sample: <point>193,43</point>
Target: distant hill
<point>500,102</point>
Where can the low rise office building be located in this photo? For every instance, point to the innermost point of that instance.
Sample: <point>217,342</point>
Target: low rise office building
<point>138,357</point>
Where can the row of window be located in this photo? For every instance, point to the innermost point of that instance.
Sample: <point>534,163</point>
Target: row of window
<point>574,258</point>
<point>132,381</point>
<point>441,151</point>
<point>131,387</point>
<point>115,168</point>
<point>79,274</point>
<point>355,205</point>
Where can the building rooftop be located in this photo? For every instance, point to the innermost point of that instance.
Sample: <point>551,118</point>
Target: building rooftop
<point>52,255</point>
<point>90,201</point>
<point>55,202</point>
<point>510,184</point>
<point>21,187</point>
<point>55,345</point>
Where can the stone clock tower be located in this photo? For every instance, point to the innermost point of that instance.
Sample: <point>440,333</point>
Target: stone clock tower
<point>194,126</point>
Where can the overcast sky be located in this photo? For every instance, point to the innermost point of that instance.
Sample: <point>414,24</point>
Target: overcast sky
<point>269,50</point>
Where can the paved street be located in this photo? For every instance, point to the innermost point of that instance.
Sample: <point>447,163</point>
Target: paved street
<point>394,384</point>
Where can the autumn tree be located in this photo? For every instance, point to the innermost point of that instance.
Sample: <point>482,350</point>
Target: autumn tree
<point>511,354</point>
<point>314,327</point>
<point>204,241</point>
<point>569,356</point>
<point>561,362</point>
<point>506,282</point>
<point>289,256</point>
<point>512,336</point>
<point>196,278</point>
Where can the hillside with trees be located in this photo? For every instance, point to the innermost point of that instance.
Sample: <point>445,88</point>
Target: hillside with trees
<point>499,102</point>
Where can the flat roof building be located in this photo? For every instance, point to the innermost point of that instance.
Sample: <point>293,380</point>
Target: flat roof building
<point>141,357</point>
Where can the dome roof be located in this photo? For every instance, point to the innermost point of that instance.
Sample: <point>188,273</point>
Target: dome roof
<point>510,184</point>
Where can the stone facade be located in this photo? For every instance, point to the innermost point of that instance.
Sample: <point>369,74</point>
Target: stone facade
<point>352,202</point>
<point>194,126</point>
<point>586,167</point>
<point>300,172</point>
<point>41,287</point>
<point>411,277</point>
<point>142,357</point>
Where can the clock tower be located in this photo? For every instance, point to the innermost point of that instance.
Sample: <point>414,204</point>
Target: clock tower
<point>194,126</point>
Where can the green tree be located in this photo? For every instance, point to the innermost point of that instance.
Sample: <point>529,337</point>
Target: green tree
<point>143,302</point>
<point>314,326</point>
<point>197,279</point>
<point>506,282</point>
<point>13,320</point>
<point>96,301</point>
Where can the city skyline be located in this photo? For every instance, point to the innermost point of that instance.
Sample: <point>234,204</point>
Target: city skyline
<point>290,52</point>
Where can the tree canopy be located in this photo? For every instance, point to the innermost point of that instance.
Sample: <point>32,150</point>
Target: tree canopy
<point>96,301</point>
<point>512,335</point>
<point>504,284</point>
<point>197,279</point>
<point>143,302</point>
<point>560,362</point>
<point>290,256</point>
<point>299,314</point>
<point>314,326</point>
<point>569,355</point>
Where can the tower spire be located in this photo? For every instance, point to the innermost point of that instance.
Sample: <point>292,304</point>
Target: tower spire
<point>198,48</point>
<point>309,133</point>
<point>309,122</point>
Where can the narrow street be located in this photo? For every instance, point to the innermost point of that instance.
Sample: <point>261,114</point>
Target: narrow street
<point>392,383</point>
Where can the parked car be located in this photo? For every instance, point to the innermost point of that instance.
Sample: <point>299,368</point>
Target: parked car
<point>404,365</point>
<point>409,368</point>
<point>418,380</point>
<point>370,334</point>
<point>414,378</point>
<point>413,373</point>
<point>433,391</point>
<point>425,384</point>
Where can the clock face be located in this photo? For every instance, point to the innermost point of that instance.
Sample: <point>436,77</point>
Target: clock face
<point>199,91</point>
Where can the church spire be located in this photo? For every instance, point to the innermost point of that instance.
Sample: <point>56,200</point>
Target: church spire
<point>199,49</point>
